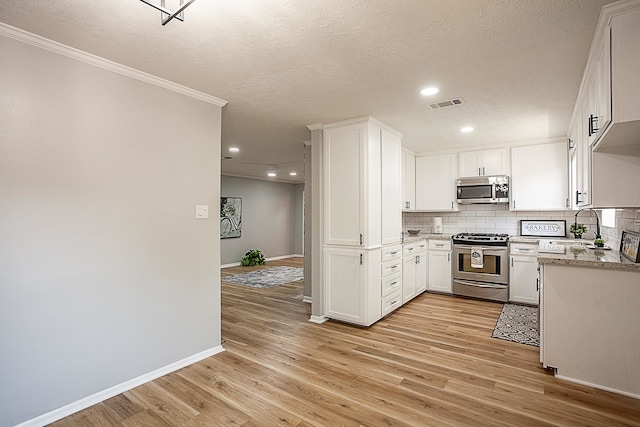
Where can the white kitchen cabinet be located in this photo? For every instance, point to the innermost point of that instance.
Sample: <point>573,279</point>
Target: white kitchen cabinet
<point>608,112</point>
<point>523,273</point>
<point>539,177</point>
<point>361,189</point>
<point>362,222</point>
<point>436,183</point>
<point>439,267</point>
<point>391,177</point>
<point>580,160</point>
<point>352,285</point>
<point>483,163</point>
<point>408,191</point>
<point>421,266</point>
<point>611,79</point>
<point>408,272</point>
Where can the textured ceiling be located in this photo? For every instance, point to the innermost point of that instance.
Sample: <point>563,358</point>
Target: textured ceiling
<point>284,64</point>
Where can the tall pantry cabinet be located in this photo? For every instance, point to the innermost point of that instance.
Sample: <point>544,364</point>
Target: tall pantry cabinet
<point>362,182</point>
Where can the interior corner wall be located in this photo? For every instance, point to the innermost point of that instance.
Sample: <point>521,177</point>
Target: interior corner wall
<point>105,274</point>
<point>269,218</point>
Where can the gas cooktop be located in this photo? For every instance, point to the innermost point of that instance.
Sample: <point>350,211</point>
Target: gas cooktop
<point>492,239</point>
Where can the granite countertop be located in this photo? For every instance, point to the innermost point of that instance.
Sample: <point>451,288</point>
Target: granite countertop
<point>408,238</point>
<point>585,257</point>
<point>524,239</point>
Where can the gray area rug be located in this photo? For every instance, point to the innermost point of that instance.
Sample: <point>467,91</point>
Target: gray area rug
<point>518,323</point>
<point>267,277</point>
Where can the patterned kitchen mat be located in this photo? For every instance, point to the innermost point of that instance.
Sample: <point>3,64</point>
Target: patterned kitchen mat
<point>518,323</point>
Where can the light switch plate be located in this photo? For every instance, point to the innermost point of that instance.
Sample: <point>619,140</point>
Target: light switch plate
<point>202,211</point>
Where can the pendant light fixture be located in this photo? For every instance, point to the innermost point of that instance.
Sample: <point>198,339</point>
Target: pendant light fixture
<point>165,14</point>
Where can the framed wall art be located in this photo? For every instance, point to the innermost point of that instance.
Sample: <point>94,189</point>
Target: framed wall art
<point>543,228</point>
<point>629,244</point>
<point>230,217</point>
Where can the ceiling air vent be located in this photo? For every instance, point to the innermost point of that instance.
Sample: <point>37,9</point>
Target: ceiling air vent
<point>448,103</point>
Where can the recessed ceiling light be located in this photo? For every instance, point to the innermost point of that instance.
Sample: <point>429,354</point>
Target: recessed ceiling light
<point>429,91</point>
<point>466,129</point>
<point>234,149</point>
<point>293,173</point>
<point>272,174</point>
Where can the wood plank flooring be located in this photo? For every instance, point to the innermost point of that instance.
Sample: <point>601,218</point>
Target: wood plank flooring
<point>431,363</point>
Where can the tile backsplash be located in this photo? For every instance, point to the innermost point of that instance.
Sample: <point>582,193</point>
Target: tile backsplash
<point>499,219</point>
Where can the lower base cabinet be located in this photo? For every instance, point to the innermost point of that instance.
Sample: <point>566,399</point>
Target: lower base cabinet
<point>523,273</point>
<point>439,266</point>
<point>352,285</point>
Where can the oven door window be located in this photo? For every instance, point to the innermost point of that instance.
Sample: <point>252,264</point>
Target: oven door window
<point>474,192</point>
<point>491,264</point>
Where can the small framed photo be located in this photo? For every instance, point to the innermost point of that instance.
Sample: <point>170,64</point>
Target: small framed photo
<point>629,244</point>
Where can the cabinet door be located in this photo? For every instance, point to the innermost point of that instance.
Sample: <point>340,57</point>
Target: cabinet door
<point>391,172</point>
<point>408,278</point>
<point>435,183</point>
<point>523,280</point>
<point>539,177</point>
<point>408,191</point>
<point>469,163</point>
<point>343,156</point>
<point>344,288</point>
<point>421,272</point>
<point>439,271</point>
<point>494,162</point>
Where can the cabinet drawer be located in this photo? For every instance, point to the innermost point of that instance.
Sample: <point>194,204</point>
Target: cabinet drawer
<point>391,302</point>
<point>523,249</point>
<point>391,267</point>
<point>391,252</point>
<point>442,245</point>
<point>421,246</point>
<point>408,249</point>
<point>390,284</point>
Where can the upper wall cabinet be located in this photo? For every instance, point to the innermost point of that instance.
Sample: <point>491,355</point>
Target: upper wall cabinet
<point>611,80</point>
<point>539,177</point>
<point>436,183</point>
<point>483,163</point>
<point>361,189</point>
<point>408,192</point>
<point>605,128</point>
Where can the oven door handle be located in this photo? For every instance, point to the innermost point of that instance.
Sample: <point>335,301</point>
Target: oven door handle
<point>478,285</point>
<point>488,250</point>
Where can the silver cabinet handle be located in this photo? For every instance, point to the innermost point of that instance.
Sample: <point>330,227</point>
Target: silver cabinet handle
<point>479,171</point>
<point>483,170</point>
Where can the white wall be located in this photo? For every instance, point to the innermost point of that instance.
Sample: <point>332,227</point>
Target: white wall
<point>271,218</point>
<point>105,274</point>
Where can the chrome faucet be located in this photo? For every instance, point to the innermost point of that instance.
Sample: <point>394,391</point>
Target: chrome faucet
<point>575,224</point>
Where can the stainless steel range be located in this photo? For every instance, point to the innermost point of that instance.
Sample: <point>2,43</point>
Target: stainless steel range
<point>481,266</point>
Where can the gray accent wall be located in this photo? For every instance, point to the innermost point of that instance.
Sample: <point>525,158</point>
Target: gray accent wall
<point>271,218</point>
<point>105,274</point>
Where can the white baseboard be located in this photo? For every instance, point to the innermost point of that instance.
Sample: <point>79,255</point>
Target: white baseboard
<point>236,264</point>
<point>108,393</point>
<point>317,319</point>
<point>601,387</point>
<point>306,299</point>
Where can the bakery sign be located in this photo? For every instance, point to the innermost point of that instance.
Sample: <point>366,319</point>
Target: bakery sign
<point>543,228</point>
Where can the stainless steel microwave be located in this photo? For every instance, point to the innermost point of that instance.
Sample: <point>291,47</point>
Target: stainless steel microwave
<point>483,189</point>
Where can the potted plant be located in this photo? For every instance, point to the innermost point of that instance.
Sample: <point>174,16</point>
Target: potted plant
<point>253,257</point>
<point>599,243</point>
<point>578,230</point>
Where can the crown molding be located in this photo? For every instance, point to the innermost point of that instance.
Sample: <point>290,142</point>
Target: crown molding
<point>88,58</point>
<point>315,126</point>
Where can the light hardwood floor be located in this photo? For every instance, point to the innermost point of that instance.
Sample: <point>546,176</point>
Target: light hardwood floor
<point>431,363</point>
